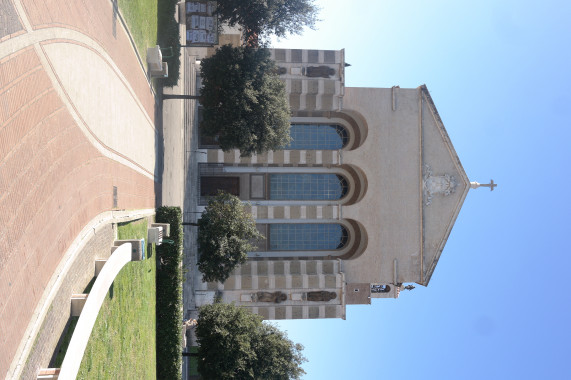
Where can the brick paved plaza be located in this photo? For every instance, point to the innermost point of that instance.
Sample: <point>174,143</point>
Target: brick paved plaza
<point>76,111</point>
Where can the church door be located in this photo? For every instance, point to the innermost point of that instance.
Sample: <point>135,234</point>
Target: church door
<point>209,186</point>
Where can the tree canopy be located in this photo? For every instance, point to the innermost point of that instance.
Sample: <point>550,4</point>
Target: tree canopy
<point>225,232</point>
<point>244,101</point>
<point>236,344</point>
<point>263,17</point>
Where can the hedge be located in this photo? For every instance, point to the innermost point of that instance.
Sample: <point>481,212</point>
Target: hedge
<point>168,35</point>
<point>169,297</point>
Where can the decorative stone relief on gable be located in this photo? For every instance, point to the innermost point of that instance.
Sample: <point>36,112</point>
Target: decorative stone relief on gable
<point>432,185</point>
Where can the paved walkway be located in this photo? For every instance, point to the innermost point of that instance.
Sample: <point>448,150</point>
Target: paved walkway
<point>51,321</point>
<point>76,121</point>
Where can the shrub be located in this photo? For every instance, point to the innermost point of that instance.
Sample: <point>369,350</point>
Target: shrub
<point>236,344</point>
<point>169,297</point>
<point>225,233</point>
<point>168,35</point>
<point>244,101</point>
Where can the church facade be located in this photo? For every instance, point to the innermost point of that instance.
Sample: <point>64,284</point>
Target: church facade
<point>359,204</point>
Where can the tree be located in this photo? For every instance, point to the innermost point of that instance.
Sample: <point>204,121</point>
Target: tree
<point>225,231</point>
<point>244,101</point>
<point>262,17</point>
<point>236,344</point>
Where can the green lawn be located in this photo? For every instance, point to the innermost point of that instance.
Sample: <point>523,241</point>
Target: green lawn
<point>122,344</point>
<point>151,22</point>
<point>141,18</point>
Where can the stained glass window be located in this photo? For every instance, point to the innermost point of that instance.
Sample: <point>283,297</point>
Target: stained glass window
<point>317,136</point>
<point>318,186</point>
<point>307,237</point>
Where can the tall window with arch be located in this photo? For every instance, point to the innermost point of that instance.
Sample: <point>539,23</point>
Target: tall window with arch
<point>309,186</point>
<point>307,237</point>
<point>317,137</point>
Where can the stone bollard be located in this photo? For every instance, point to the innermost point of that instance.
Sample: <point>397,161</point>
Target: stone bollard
<point>138,248</point>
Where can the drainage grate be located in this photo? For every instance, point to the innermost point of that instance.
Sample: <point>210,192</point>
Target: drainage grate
<point>114,196</point>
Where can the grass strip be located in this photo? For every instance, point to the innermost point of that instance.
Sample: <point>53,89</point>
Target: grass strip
<point>141,18</point>
<point>123,341</point>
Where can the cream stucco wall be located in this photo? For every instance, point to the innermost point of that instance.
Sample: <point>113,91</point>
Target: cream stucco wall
<point>390,209</point>
<point>405,134</point>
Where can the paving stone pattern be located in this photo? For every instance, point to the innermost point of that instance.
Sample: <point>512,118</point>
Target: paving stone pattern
<point>77,278</point>
<point>95,18</point>
<point>52,180</point>
<point>52,183</point>
<point>9,22</point>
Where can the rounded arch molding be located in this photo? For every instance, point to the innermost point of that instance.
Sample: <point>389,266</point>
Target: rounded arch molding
<point>357,184</point>
<point>357,124</point>
<point>357,242</point>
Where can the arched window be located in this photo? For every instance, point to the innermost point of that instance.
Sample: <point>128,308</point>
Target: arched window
<point>380,288</point>
<point>317,136</point>
<point>307,237</point>
<point>315,186</point>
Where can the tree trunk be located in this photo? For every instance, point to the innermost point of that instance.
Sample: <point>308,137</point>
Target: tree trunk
<point>189,224</point>
<point>180,96</point>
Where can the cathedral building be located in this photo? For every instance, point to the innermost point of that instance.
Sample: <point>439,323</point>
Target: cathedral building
<point>359,204</point>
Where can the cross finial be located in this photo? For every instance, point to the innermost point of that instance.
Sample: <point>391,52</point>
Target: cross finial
<point>491,185</point>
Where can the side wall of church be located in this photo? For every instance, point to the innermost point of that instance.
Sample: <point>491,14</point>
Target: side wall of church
<point>314,78</point>
<point>260,285</point>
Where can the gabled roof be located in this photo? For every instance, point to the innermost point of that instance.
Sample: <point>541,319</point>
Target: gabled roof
<point>445,186</point>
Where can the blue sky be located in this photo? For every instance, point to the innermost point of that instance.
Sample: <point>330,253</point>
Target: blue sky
<point>498,305</point>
